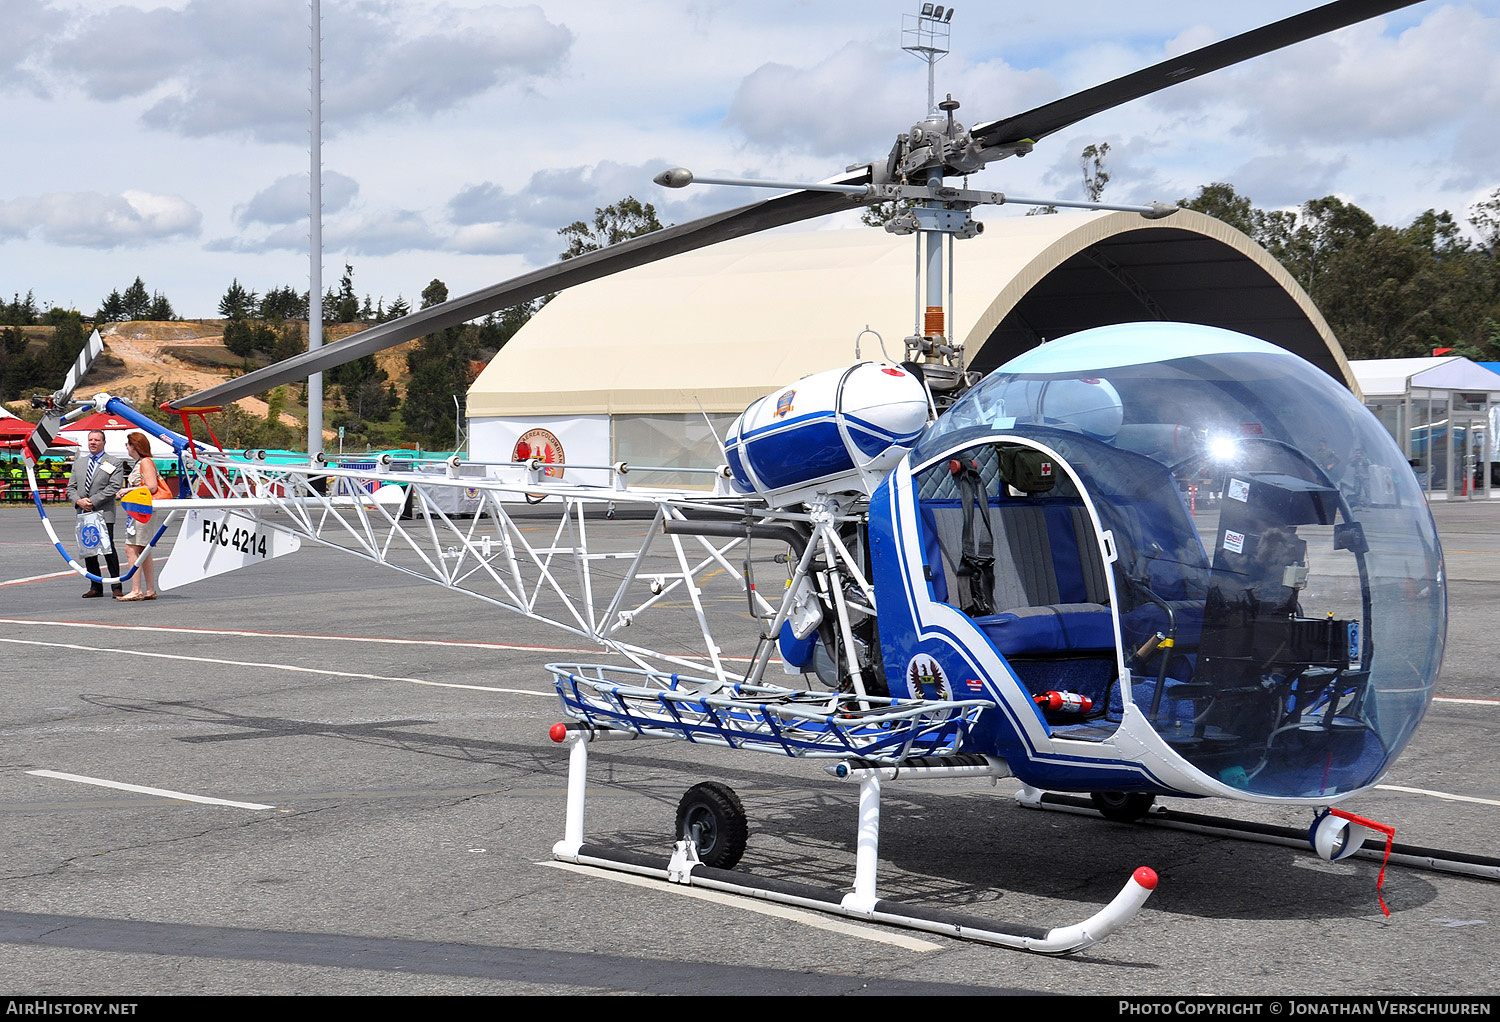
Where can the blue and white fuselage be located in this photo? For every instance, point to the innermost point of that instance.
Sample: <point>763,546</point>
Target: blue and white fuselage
<point>1209,573</point>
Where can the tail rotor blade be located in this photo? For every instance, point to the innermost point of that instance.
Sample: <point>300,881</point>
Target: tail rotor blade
<point>46,431</point>
<point>81,365</point>
<point>41,438</point>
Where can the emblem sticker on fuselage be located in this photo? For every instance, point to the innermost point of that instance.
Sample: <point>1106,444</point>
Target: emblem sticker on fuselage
<point>926,679</point>
<point>784,404</point>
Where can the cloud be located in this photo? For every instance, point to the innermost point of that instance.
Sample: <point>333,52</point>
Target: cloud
<point>286,201</point>
<point>493,221</point>
<point>1359,84</point>
<point>28,26</point>
<point>291,237</point>
<point>92,220</point>
<point>214,68</point>
<point>855,102</point>
<point>836,106</point>
<point>401,230</point>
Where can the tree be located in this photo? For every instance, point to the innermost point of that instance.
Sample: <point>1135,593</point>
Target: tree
<point>238,337</point>
<point>113,309</point>
<point>19,311</point>
<point>237,303</point>
<point>136,301</point>
<point>344,306</point>
<point>283,342</point>
<point>882,213</point>
<point>440,370</point>
<point>1221,201</point>
<point>617,222</point>
<point>499,327</point>
<point>1095,177</point>
<point>1485,216</point>
<point>67,341</point>
<point>284,303</point>
<point>161,310</point>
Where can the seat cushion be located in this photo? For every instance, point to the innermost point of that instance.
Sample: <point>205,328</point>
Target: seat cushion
<point>1057,629</point>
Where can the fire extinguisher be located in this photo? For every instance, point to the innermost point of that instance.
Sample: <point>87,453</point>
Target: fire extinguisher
<point>1064,702</point>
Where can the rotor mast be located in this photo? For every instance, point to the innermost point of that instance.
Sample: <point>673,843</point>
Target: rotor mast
<point>925,35</point>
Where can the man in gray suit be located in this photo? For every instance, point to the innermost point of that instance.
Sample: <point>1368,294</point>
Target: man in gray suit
<point>97,478</point>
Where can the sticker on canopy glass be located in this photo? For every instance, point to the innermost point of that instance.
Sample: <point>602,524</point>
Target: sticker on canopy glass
<point>1234,541</point>
<point>1238,490</point>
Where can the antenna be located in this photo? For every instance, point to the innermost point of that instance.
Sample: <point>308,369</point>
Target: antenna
<point>925,35</point>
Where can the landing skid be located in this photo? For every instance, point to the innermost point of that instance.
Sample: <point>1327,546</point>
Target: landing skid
<point>1482,866</point>
<point>684,866</point>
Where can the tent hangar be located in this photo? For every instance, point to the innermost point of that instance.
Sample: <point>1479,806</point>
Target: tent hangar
<point>635,366</point>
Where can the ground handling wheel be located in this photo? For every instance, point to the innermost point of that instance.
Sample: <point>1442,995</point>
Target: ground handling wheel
<point>1122,806</point>
<point>710,815</point>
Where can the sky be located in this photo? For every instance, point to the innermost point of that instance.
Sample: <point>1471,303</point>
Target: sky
<point>170,140</point>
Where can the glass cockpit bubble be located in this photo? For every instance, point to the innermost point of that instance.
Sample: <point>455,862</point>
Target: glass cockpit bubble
<point>1279,581</point>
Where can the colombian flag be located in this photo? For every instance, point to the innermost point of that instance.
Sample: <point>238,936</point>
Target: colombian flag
<point>137,503</point>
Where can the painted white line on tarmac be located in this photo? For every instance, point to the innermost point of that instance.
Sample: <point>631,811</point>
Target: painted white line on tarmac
<point>180,796</point>
<point>1445,796</point>
<point>796,915</point>
<point>1470,702</point>
<point>34,578</point>
<point>242,633</point>
<point>550,694</point>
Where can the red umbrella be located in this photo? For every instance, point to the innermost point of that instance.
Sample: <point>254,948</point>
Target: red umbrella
<point>13,433</point>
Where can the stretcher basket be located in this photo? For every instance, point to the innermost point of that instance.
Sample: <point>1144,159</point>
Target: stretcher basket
<point>763,718</point>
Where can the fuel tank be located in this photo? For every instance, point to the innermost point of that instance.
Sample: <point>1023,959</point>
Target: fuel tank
<point>838,431</point>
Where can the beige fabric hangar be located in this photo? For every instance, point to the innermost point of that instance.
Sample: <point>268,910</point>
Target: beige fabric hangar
<point>626,368</point>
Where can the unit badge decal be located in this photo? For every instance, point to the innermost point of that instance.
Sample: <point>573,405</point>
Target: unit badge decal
<point>926,679</point>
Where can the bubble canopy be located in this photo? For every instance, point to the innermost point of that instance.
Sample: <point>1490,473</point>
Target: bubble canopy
<point>1264,522</point>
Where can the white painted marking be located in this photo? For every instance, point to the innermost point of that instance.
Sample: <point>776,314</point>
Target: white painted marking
<point>550,694</point>
<point>33,578</point>
<point>1470,702</point>
<point>235,633</point>
<point>238,633</point>
<point>1445,796</point>
<point>180,796</point>
<point>766,908</point>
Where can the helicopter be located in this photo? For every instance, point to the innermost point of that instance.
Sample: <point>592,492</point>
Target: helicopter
<point>1019,586</point>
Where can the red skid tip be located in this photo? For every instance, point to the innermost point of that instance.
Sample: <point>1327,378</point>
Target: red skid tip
<point>558,733</point>
<point>1146,877</point>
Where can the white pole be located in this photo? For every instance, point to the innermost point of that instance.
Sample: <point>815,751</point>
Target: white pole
<point>315,240</point>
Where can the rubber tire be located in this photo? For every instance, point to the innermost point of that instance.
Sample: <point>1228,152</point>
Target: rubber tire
<point>722,826</point>
<point>1122,806</point>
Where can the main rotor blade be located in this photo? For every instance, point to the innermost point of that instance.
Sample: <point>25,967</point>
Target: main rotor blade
<point>648,248</point>
<point>1059,114</point>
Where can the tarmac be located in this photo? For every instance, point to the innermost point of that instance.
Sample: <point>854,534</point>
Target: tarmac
<point>317,776</point>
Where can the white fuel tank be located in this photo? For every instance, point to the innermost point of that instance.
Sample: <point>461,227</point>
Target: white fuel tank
<point>839,431</point>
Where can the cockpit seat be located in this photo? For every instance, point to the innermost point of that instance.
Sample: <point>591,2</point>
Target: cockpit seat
<point>1063,629</point>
